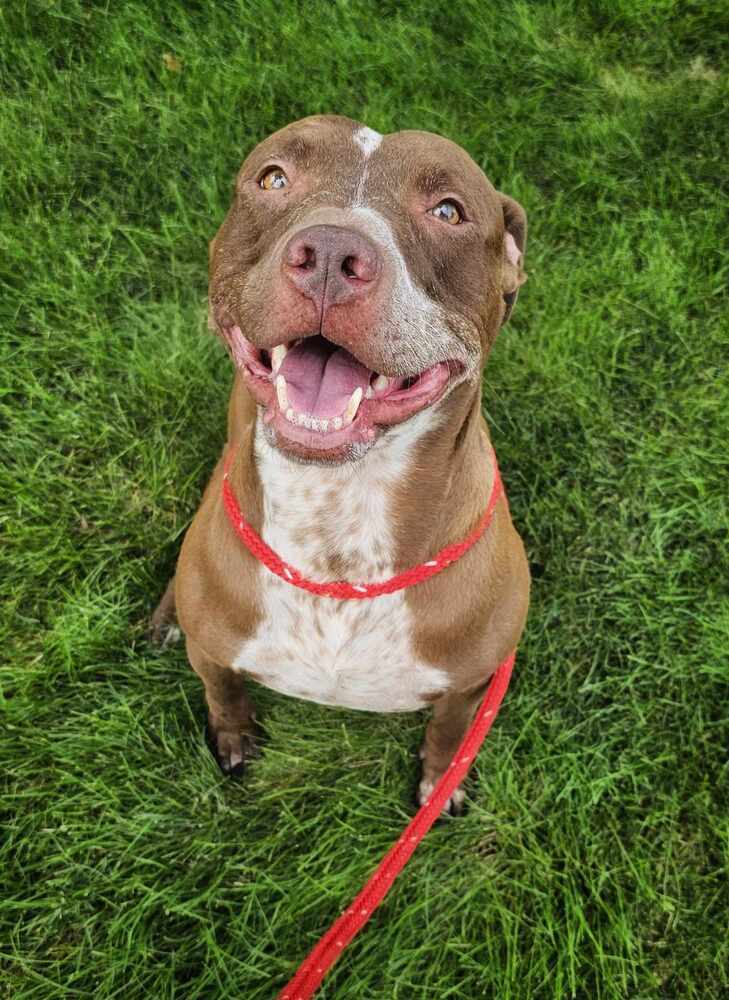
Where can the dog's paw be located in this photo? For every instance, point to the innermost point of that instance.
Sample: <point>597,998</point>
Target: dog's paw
<point>163,629</point>
<point>232,749</point>
<point>163,634</point>
<point>453,805</point>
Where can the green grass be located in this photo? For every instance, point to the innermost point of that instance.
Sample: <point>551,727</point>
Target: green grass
<point>592,862</point>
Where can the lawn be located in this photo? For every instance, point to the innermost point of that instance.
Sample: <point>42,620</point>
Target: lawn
<point>592,860</point>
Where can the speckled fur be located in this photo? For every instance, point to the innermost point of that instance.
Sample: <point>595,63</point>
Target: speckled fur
<point>337,524</point>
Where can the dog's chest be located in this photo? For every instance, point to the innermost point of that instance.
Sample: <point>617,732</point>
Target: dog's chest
<point>354,654</point>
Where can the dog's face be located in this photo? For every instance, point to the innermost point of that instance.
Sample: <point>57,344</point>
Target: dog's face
<point>359,278</point>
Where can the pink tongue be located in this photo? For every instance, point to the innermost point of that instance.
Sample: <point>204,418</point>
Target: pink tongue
<point>320,381</point>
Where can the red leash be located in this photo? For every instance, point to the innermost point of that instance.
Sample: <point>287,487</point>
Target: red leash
<point>340,588</point>
<point>325,953</point>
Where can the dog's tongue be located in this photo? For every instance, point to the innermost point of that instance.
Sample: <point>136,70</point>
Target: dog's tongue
<point>320,377</point>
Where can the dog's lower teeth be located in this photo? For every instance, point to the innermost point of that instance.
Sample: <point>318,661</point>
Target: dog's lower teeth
<point>380,383</point>
<point>321,424</point>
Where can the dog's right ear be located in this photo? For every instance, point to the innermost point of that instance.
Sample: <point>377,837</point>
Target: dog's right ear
<point>515,230</point>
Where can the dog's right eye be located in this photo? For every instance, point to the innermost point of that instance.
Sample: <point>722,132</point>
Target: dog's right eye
<point>273,179</point>
<point>447,211</point>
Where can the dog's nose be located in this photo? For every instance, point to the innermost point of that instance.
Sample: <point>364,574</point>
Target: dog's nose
<point>331,264</point>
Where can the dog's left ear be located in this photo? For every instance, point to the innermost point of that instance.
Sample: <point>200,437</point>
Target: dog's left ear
<point>515,229</point>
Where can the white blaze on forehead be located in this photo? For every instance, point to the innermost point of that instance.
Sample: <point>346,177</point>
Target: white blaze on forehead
<point>367,139</point>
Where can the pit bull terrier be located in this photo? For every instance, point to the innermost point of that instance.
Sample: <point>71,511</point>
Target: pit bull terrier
<point>358,281</point>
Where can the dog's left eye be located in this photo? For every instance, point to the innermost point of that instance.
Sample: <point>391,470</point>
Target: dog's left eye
<point>447,211</point>
<point>273,179</point>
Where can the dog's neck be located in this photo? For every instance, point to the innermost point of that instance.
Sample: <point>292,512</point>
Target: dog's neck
<point>420,486</point>
<point>337,521</point>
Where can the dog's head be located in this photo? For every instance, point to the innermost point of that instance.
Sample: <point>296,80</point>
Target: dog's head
<point>359,278</point>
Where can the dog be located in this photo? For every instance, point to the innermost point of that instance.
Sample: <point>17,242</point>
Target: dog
<point>358,281</point>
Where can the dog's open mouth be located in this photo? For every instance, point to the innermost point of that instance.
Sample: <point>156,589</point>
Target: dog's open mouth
<point>320,397</point>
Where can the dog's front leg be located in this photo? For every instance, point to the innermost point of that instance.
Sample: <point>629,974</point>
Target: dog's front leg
<point>452,715</point>
<point>231,715</point>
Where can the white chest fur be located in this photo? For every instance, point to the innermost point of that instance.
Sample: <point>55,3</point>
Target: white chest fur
<point>354,654</point>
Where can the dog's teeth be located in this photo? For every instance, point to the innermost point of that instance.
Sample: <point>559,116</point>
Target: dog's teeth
<point>308,420</point>
<point>380,383</point>
<point>283,398</point>
<point>369,392</point>
<point>277,356</point>
<point>352,406</point>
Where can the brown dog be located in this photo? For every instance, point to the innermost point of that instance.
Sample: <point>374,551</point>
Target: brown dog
<point>359,281</point>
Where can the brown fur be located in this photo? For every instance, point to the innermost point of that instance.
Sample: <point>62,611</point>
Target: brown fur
<point>216,579</point>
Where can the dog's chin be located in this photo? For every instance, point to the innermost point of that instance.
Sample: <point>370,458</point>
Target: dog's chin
<point>320,404</point>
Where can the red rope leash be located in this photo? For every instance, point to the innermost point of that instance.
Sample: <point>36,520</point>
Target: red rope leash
<point>340,588</point>
<point>325,953</point>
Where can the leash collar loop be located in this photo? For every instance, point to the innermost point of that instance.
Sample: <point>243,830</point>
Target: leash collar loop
<point>341,589</point>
